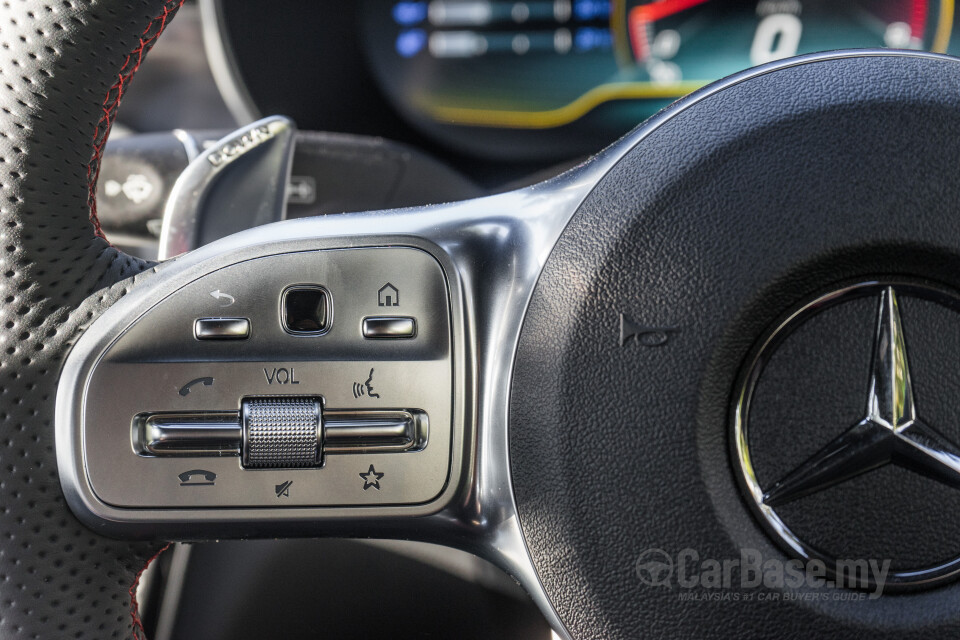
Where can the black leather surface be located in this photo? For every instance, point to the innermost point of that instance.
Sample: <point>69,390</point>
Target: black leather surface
<point>732,213</point>
<point>63,66</point>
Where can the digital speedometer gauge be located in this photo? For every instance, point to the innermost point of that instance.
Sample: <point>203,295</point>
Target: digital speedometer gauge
<point>701,40</point>
<point>582,67</point>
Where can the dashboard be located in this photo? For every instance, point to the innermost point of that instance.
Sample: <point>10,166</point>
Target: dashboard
<point>538,80</point>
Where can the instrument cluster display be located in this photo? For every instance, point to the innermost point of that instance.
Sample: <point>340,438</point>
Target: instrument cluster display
<point>538,78</point>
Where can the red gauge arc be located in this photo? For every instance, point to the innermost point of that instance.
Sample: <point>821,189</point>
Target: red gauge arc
<point>640,17</point>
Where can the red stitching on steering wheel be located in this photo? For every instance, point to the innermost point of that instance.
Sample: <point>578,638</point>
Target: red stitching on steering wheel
<point>138,632</point>
<point>101,132</point>
<point>112,101</point>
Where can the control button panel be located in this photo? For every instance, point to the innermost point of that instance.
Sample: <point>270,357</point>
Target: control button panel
<point>299,411</point>
<point>389,327</point>
<point>221,328</point>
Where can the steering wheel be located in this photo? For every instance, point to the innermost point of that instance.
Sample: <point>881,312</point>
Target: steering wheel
<point>703,384</point>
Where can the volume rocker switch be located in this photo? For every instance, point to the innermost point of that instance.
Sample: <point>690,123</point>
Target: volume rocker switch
<point>282,433</point>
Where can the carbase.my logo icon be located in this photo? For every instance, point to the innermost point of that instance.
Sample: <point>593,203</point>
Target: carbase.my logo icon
<point>655,567</point>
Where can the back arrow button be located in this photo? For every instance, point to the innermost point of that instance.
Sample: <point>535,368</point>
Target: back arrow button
<point>225,298</point>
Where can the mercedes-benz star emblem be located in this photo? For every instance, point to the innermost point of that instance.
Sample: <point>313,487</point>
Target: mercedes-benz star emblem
<point>891,432</point>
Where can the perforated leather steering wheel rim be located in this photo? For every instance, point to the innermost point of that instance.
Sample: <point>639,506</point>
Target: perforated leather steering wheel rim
<point>65,67</point>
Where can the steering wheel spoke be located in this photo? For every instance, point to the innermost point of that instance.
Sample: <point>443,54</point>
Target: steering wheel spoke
<point>394,331</point>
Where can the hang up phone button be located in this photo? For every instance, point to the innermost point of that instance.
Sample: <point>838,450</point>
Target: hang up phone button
<point>197,478</point>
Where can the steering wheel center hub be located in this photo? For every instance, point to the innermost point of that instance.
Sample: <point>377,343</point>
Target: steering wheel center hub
<point>734,209</point>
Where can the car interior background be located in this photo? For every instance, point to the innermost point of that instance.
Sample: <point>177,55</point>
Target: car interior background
<point>403,103</point>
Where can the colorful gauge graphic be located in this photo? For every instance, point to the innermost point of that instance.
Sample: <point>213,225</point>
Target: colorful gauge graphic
<point>673,40</point>
<point>595,64</point>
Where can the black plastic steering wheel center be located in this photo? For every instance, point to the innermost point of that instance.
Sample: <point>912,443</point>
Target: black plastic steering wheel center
<point>731,214</point>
